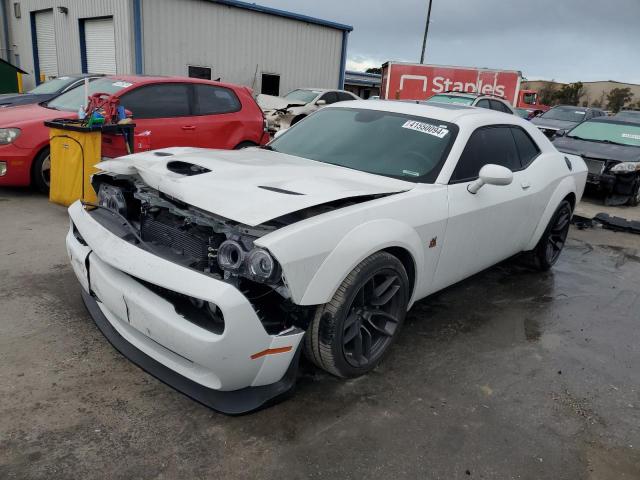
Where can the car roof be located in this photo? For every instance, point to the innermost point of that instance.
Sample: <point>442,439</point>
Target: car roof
<point>439,111</point>
<point>459,94</point>
<point>575,107</point>
<point>147,79</point>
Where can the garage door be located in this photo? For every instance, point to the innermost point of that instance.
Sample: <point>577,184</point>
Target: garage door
<point>100,46</point>
<point>46,41</point>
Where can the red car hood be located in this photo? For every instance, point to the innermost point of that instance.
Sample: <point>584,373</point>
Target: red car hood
<point>26,115</point>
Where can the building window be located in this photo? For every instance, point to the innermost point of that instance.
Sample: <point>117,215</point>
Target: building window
<point>16,10</point>
<point>204,73</point>
<point>270,84</point>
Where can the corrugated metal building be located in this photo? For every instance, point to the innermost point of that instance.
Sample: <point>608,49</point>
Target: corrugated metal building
<point>270,50</point>
<point>363,84</point>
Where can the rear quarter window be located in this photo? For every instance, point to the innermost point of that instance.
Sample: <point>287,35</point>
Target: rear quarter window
<point>527,149</point>
<point>211,100</point>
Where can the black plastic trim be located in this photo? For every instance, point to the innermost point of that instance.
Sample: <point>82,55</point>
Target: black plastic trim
<point>235,402</point>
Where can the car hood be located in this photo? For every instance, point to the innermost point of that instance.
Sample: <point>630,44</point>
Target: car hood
<point>27,114</point>
<point>555,124</point>
<point>250,186</point>
<point>12,99</point>
<point>603,151</point>
<point>269,102</point>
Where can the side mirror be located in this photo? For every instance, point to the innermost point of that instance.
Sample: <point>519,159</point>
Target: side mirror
<point>321,102</point>
<point>491,174</point>
<point>560,133</point>
<point>279,132</point>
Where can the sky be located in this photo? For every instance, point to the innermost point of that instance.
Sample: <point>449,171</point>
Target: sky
<point>563,40</point>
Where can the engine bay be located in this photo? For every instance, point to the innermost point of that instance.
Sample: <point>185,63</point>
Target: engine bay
<point>198,240</point>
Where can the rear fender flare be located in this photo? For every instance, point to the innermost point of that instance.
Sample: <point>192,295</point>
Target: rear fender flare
<point>358,244</point>
<point>564,188</point>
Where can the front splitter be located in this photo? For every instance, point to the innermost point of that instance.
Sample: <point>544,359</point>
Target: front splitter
<point>236,402</point>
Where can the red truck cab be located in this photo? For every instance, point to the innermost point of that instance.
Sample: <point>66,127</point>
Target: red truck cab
<point>529,100</point>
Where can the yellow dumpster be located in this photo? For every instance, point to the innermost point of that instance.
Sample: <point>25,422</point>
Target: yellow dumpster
<point>73,156</point>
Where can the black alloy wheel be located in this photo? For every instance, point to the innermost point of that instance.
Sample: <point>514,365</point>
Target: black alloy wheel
<point>352,333</point>
<point>552,242</point>
<point>558,234</point>
<point>373,319</point>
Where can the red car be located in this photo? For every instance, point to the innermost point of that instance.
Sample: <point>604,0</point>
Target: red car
<point>177,111</point>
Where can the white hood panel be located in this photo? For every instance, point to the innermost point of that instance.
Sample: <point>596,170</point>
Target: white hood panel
<point>232,189</point>
<point>269,102</point>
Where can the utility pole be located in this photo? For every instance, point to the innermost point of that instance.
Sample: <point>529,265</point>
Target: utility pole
<point>426,30</point>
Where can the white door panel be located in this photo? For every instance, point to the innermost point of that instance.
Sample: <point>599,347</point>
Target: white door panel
<point>484,228</point>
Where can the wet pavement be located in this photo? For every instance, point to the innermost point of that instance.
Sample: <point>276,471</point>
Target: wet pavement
<point>511,374</point>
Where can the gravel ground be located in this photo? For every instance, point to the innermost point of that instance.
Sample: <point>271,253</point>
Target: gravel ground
<point>511,374</point>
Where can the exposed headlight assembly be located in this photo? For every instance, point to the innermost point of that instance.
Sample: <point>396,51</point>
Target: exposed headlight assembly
<point>626,167</point>
<point>231,256</point>
<point>258,264</point>
<point>112,198</point>
<point>8,135</point>
<point>262,266</point>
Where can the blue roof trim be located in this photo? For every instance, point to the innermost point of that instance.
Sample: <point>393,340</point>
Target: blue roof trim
<point>343,59</point>
<point>283,13</point>
<point>137,36</point>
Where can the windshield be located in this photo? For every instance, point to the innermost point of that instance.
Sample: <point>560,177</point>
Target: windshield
<point>74,98</point>
<point>615,132</point>
<point>567,114</point>
<point>450,99</point>
<point>53,86</point>
<point>385,143</point>
<point>302,95</point>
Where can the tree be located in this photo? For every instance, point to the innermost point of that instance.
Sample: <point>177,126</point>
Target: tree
<point>570,94</point>
<point>547,93</point>
<point>617,98</point>
<point>599,103</point>
<point>377,70</point>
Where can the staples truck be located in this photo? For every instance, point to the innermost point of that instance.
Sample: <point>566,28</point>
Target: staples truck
<point>414,81</point>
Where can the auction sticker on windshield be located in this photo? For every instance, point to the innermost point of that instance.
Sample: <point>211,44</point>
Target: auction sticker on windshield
<point>631,135</point>
<point>427,128</point>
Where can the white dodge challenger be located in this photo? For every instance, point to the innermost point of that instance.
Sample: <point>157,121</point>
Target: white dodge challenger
<point>213,270</point>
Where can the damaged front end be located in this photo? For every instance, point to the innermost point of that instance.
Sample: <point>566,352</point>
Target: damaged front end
<point>618,181</point>
<point>201,241</point>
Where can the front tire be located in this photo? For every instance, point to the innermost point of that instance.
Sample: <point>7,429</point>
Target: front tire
<point>550,245</point>
<point>351,334</point>
<point>41,171</point>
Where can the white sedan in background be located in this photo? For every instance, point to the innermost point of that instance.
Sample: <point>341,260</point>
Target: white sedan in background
<point>284,112</point>
<point>214,270</point>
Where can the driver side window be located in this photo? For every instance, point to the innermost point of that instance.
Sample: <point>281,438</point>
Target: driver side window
<point>486,145</point>
<point>329,97</point>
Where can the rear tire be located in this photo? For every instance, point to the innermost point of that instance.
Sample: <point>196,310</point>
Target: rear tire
<point>351,334</point>
<point>550,245</point>
<point>41,171</point>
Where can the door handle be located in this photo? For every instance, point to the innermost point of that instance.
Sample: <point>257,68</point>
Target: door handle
<point>525,185</point>
<point>188,127</point>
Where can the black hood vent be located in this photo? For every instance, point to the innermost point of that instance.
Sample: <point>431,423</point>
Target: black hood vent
<point>186,169</point>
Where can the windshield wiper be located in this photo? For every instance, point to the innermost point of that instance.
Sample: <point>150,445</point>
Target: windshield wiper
<point>610,142</point>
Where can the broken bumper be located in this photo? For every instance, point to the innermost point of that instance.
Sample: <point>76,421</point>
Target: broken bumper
<point>277,121</point>
<point>228,372</point>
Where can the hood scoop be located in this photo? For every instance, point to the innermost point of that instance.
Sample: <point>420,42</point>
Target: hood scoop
<point>185,168</point>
